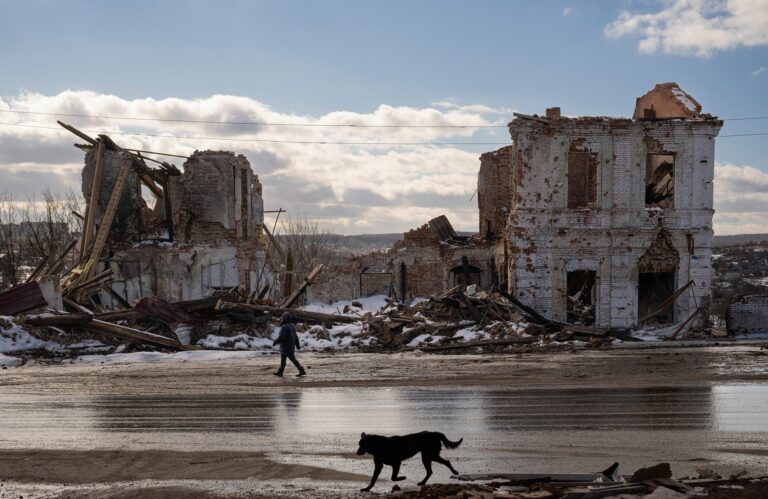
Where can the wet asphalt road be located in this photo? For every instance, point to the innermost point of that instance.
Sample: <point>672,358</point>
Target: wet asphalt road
<point>504,429</point>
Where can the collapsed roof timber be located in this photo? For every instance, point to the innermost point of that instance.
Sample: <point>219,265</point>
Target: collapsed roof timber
<point>167,233</point>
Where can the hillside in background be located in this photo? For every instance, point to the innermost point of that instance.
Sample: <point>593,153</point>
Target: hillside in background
<point>740,239</point>
<point>364,243</point>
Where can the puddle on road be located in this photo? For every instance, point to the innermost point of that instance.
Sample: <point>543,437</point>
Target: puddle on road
<point>734,408</point>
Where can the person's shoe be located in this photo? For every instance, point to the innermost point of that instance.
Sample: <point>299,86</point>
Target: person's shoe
<point>302,373</point>
<point>277,374</point>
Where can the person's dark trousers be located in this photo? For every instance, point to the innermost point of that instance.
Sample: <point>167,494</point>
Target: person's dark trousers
<point>292,358</point>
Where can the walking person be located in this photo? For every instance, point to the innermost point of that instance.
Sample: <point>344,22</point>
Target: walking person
<point>289,343</point>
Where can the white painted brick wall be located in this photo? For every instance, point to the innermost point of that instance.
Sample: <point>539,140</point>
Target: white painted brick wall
<point>619,230</point>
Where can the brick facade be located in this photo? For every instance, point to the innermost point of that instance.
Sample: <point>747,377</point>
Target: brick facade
<point>547,239</point>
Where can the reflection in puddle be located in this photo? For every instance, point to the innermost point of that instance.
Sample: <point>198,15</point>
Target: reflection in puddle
<point>738,408</point>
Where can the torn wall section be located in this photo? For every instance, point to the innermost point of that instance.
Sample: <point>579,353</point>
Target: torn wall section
<point>494,191</point>
<point>217,215</point>
<point>126,227</point>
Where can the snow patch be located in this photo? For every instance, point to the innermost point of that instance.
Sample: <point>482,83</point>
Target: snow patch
<point>370,304</point>
<point>683,99</point>
<point>8,361</point>
<point>14,338</point>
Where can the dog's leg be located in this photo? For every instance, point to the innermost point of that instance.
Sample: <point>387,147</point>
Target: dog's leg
<point>427,466</point>
<point>445,462</point>
<point>395,471</point>
<point>376,470</point>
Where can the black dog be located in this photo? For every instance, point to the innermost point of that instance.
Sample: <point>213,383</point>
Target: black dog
<point>395,450</point>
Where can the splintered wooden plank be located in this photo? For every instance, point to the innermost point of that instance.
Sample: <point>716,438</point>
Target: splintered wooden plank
<point>77,132</point>
<point>131,334</point>
<point>273,242</point>
<point>307,281</point>
<point>61,259</point>
<point>108,217</point>
<point>93,201</point>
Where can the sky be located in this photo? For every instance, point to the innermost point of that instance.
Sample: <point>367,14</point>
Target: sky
<point>284,63</point>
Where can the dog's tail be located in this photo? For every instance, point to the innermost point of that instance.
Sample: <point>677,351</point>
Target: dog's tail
<point>448,444</point>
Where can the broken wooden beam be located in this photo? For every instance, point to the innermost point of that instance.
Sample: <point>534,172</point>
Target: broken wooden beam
<point>478,343</point>
<point>93,200</point>
<point>131,334</point>
<point>299,314</point>
<point>38,269</point>
<point>537,317</point>
<point>77,132</point>
<point>307,282</point>
<point>685,323</point>
<point>476,315</point>
<point>79,319</point>
<point>59,263</point>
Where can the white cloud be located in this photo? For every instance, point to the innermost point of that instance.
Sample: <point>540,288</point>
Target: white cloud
<point>741,199</point>
<point>567,11</point>
<point>696,27</point>
<point>408,185</point>
<point>759,71</point>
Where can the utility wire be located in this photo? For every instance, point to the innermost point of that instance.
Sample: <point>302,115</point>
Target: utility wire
<point>270,141</point>
<point>306,142</point>
<point>258,123</point>
<point>253,123</point>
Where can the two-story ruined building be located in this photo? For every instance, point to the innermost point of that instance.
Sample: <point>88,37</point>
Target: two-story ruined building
<point>603,219</point>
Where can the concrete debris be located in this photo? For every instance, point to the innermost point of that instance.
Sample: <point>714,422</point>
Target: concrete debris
<point>580,486</point>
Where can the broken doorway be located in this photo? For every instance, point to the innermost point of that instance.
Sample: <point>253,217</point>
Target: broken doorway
<point>653,289</point>
<point>660,181</point>
<point>581,296</point>
<point>465,275</point>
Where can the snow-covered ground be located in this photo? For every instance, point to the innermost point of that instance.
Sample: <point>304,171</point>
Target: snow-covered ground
<point>14,338</point>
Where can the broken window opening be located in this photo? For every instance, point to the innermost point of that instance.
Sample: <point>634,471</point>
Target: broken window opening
<point>654,288</point>
<point>581,296</point>
<point>155,220</point>
<point>582,179</point>
<point>465,275</point>
<point>244,201</point>
<point>660,181</point>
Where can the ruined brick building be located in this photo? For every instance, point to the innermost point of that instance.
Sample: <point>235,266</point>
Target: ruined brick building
<point>607,217</point>
<point>594,220</point>
<point>179,235</point>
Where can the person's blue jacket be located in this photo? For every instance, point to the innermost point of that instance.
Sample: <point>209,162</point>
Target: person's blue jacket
<point>287,338</point>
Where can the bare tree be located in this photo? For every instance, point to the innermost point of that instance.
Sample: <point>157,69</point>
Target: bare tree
<point>10,241</point>
<point>36,232</point>
<point>306,245</point>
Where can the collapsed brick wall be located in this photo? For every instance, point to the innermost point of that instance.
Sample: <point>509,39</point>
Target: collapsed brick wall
<point>217,198</point>
<point>428,262</point>
<point>341,280</point>
<point>494,187</point>
<point>126,226</point>
<point>665,101</point>
<point>217,212</point>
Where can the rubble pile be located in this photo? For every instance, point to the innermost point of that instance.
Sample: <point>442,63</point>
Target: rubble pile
<point>654,482</point>
<point>468,318</point>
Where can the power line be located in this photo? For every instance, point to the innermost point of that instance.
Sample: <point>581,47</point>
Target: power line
<point>307,142</point>
<point>259,123</point>
<point>270,141</point>
<point>253,123</point>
